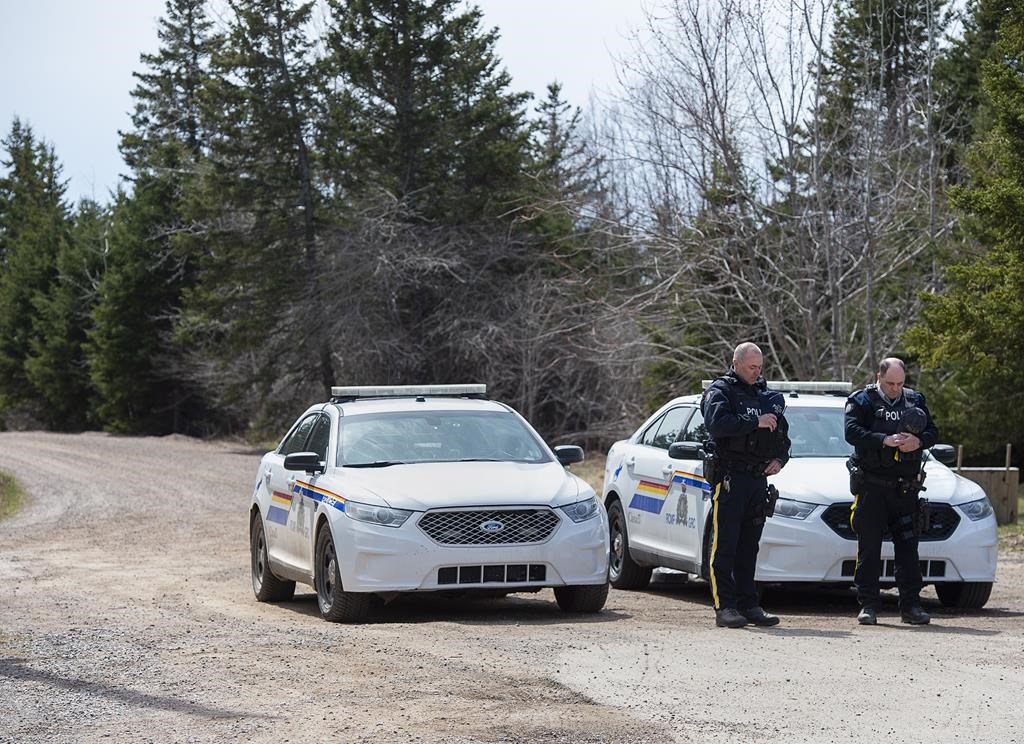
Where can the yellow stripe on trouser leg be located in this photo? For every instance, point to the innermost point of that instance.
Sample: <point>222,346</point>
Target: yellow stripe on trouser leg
<point>714,545</point>
<point>853,510</point>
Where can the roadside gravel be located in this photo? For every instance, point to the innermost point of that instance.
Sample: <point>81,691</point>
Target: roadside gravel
<point>126,613</point>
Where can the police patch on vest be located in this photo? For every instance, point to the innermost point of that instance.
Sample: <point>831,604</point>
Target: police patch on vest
<point>850,406</point>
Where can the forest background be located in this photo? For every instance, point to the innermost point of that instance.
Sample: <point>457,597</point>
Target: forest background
<point>351,192</point>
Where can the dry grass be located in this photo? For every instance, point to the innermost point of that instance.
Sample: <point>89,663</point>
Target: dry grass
<point>12,495</point>
<point>591,470</point>
<point>1011,536</point>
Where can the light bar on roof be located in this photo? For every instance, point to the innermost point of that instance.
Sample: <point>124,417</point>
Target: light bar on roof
<point>803,386</point>
<point>401,391</point>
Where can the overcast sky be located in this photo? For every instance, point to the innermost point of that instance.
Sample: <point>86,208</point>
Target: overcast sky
<point>66,65</point>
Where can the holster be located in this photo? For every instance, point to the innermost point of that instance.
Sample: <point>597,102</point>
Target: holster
<point>922,517</point>
<point>856,478</point>
<point>771,496</point>
<point>712,465</point>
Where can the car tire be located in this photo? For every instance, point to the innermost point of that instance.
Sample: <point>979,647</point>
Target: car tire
<point>623,571</point>
<point>265,585</point>
<point>336,605</point>
<point>587,598</point>
<point>964,595</point>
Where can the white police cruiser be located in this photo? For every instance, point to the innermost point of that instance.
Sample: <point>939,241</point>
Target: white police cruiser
<point>384,490</point>
<point>658,505</point>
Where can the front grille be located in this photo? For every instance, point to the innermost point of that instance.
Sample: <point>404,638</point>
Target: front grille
<point>492,527</point>
<point>929,569</point>
<point>513,573</point>
<point>944,521</point>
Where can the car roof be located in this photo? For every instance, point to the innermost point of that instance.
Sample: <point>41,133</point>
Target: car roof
<point>417,404</point>
<point>793,400</point>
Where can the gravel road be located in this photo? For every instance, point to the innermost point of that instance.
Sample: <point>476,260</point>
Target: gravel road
<point>126,613</point>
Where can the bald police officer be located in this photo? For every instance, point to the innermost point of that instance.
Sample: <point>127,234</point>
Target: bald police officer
<point>890,428</point>
<point>747,424</point>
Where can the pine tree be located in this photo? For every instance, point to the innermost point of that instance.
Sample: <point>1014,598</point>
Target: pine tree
<point>425,112</point>
<point>970,334</point>
<point>56,366</point>
<point>33,231</point>
<point>255,319</point>
<point>137,369</point>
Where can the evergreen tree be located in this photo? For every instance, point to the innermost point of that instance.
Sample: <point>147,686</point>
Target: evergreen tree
<point>136,368</point>
<point>255,320</point>
<point>970,334</point>
<point>33,231</point>
<point>56,365</point>
<point>425,114</point>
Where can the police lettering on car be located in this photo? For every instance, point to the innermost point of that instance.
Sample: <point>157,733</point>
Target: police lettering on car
<point>750,441</point>
<point>890,428</point>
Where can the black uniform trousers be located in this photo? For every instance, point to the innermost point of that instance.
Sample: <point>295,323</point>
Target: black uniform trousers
<point>737,522</point>
<point>876,510</point>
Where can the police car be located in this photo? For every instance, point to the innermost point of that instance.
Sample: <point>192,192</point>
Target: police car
<point>658,505</point>
<point>383,490</point>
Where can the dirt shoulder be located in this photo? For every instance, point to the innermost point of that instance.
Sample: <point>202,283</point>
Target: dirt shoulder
<point>127,614</point>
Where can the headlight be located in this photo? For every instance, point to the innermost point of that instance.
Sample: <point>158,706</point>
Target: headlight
<point>581,511</point>
<point>383,515</point>
<point>792,509</point>
<point>975,510</point>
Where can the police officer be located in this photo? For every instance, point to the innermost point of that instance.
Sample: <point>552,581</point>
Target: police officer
<point>749,433</point>
<point>886,477</point>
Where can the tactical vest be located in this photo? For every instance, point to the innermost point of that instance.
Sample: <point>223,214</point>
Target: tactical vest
<point>759,445</point>
<point>885,419</point>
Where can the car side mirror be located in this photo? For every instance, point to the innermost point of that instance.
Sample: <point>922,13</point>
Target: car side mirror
<point>685,451</point>
<point>944,453</point>
<point>567,454</point>
<point>309,462</point>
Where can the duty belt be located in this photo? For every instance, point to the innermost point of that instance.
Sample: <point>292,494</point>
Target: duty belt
<point>757,468</point>
<point>874,480</point>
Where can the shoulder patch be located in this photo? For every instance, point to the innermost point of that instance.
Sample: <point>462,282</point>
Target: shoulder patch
<point>850,406</point>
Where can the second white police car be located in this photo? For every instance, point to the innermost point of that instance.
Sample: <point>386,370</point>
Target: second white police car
<point>423,488</point>
<point>658,505</point>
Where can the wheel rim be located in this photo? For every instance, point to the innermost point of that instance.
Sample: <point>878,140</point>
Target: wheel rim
<point>259,559</point>
<point>618,546</point>
<point>325,577</point>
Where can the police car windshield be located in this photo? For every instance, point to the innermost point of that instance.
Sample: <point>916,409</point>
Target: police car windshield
<point>405,437</point>
<point>817,432</point>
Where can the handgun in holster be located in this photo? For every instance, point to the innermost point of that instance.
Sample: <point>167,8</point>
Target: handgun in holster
<point>856,477</point>
<point>712,464</point>
<point>771,496</point>
<point>923,517</point>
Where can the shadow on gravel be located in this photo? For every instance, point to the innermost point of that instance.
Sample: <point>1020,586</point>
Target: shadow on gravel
<point>17,669</point>
<point>425,608</point>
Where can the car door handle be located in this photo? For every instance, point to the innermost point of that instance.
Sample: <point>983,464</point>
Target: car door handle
<point>291,482</point>
<point>630,462</point>
<point>668,469</point>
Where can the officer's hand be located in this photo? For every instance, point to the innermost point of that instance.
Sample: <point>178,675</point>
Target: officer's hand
<point>893,440</point>
<point>773,467</point>
<point>767,421</point>
<point>909,443</point>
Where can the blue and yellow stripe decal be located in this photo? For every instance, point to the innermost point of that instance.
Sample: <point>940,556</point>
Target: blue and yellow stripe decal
<point>691,479</point>
<point>280,504</point>
<point>319,495</point>
<point>649,497</point>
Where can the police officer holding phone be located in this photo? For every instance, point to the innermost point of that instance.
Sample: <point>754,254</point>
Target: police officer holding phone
<point>890,428</point>
<point>748,427</point>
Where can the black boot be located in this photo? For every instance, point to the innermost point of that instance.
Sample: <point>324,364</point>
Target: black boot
<point>915,615</point>
<point>758,616</point>
<point>867,616</point>
<point>728,617</point>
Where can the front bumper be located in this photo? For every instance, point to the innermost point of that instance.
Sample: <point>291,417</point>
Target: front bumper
<point>793,550</point>
<point>373,558</point>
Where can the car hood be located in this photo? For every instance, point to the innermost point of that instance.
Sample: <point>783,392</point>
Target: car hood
<point>825,480</point>
<point>425,486</point>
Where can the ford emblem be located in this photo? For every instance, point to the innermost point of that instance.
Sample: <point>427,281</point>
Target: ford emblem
<point>492,525</point>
